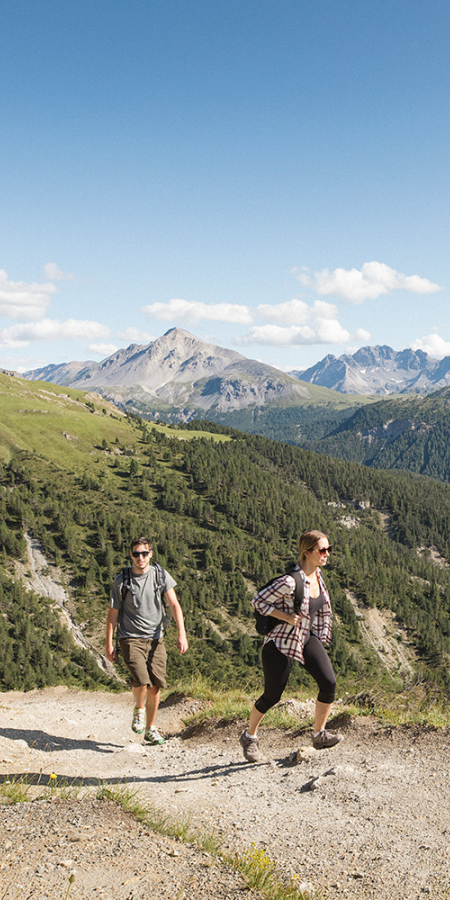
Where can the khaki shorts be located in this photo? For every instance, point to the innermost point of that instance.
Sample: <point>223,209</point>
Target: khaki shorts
<point>145,661</point>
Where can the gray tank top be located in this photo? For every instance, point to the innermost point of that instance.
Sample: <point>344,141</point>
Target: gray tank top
<point>316,603</point>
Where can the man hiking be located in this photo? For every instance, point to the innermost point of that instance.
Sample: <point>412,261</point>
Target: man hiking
<point>137,608</point>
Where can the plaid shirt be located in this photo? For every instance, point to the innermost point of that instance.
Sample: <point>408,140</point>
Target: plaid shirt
<point>280,595</point>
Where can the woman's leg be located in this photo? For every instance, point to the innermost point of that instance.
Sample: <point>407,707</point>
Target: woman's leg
<point>255,718</point>
<point>322,712</point>
<point>276,667</point>
<point>318,664</point>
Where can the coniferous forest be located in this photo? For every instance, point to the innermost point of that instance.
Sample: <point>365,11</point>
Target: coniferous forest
<point>224,510</point>
<point>401,433</point>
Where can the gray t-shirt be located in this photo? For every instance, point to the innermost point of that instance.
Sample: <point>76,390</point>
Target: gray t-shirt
<point>141,613</point>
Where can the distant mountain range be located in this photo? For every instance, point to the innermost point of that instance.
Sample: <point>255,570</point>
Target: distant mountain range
<point>181,377</point>
<point>178,377</point>
<point>379,370</point>
<point>182,374</point>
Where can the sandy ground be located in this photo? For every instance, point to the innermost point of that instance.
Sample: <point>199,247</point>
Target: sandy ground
<point>368,818</point>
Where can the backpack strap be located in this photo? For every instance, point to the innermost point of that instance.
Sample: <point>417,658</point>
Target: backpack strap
<point>124,588</point>
<point>299,589</point>
<point>126,583</point>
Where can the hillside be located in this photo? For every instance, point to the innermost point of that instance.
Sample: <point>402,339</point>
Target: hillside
<point>407,433</point>
<point>225,510</point>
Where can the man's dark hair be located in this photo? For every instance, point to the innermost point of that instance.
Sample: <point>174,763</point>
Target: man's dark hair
<point>141,540</point>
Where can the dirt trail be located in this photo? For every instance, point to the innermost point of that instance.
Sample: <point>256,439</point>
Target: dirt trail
<point>369,818</point>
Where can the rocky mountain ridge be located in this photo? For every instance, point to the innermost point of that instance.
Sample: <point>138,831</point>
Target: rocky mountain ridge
<point>379,370</point>
<point>180,378</point>
<point>179,372</point>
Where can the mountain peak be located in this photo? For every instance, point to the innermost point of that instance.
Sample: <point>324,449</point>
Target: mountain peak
<point>182,372</point>
<point>380,370</point>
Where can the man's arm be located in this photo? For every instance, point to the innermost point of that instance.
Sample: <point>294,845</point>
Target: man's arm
<point>111,622</point>
<point>177,613</point>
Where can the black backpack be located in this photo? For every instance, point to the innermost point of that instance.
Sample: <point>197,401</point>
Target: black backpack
<point>265,624</point>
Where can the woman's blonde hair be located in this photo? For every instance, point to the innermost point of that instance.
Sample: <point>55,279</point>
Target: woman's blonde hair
<point>308,541</point>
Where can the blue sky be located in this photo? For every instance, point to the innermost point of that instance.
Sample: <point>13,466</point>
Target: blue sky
<point>271,175</point>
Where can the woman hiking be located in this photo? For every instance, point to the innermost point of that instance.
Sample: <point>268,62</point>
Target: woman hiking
<point>299,635</point>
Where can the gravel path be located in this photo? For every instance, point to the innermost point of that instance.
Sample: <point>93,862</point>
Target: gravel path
<point>368,818</point>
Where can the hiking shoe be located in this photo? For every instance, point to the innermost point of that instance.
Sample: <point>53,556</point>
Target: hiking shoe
<point>152,736</point>
<point>138,723</point>
<point>250,747</point>
<point>326,739</point>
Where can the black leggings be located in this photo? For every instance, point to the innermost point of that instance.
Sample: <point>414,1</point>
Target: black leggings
<point>277,668</point>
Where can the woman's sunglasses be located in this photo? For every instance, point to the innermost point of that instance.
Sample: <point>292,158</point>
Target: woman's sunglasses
<point>324,549</point>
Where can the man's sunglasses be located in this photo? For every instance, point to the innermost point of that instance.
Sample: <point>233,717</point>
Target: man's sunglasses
<point>325,549</point>
<point>136,553</point>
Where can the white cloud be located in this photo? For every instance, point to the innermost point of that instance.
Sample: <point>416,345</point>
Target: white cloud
<point>135,336</point>
<point>432,344</point>
<point>320,331</point>
<point>53,272</point>
<point>21,363</point>
<point>22,300</point>
<point>192,311</point>
<point>103,350</point>
<point>52,330</point>
<point>362,336</point>
<point>296,312</point>
<point>373,280</point>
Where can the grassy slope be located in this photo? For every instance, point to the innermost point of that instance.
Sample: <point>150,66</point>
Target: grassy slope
<point>57,423</point>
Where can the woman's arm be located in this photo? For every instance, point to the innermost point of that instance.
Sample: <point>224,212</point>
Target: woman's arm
<point>290,618</point>
<point>277,600</point>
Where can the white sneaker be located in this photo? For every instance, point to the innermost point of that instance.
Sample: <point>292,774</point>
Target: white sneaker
<point>152,736</point>
<point>138,723</point>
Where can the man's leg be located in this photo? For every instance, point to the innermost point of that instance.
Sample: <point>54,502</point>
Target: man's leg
<point>153,698</point>
<point>139,696</point>
<point>134,654</point>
